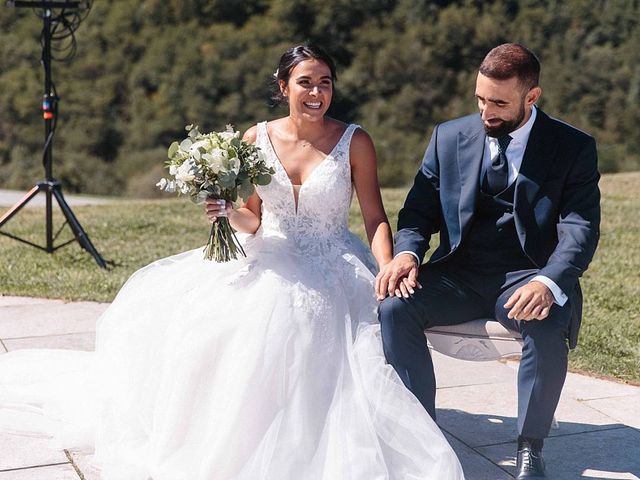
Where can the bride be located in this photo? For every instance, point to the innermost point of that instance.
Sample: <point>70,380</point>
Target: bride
<point>269,367</point>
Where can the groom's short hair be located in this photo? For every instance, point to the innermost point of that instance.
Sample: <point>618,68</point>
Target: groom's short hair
<point>512,60</point>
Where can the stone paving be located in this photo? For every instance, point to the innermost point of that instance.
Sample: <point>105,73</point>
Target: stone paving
<point>599,421</point>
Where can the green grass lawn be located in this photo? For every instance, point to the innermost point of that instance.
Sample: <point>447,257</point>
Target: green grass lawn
<point>133,233</point>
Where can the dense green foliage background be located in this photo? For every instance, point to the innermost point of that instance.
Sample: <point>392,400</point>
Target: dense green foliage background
<point>144,69</point>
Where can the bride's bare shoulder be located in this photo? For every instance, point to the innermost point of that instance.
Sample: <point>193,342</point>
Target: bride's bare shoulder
<point>335,127</point>
<point>361,139</point>
<point>251,134</point>
<point>276,127</point>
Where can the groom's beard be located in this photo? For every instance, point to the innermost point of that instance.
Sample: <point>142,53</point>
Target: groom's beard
<point>506,126</point>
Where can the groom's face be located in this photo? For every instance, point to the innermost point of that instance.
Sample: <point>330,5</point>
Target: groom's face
<point>504,104</point>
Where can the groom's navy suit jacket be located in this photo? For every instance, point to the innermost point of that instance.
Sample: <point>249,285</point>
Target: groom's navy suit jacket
<point>556,200</point>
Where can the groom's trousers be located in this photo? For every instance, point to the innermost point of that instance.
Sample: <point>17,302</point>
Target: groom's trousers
<point>452,294</point>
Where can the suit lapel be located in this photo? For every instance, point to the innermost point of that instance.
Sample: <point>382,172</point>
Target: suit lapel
<point>536,163</point>
<point>471,144</point>
<point>538,156</point>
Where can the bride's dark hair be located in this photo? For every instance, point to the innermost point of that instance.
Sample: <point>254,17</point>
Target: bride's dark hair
<point>292,57</point>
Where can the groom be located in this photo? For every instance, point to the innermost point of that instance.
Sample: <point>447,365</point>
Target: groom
<point>514,196</point>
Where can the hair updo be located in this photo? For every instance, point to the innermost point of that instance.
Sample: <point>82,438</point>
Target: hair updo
<point>292,57</point>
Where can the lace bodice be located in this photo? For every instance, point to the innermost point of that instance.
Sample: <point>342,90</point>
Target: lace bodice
<point>320,221</point>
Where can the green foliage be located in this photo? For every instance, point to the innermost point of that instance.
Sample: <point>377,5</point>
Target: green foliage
<point>403,65</point>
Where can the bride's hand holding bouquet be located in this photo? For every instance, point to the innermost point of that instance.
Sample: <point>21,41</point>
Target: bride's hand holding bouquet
<point>216,165</point>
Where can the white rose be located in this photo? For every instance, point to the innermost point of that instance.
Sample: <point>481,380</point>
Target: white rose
<point>199,144</point>
<point>227,135</point>
<point>215,159</point>
<point>194,150</point>
<point>186,172</point>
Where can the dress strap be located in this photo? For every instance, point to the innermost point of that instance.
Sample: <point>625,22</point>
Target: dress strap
<point>344,143</point>
<point>351,129</point>
<point>263,142</point>
<point>261,133</point>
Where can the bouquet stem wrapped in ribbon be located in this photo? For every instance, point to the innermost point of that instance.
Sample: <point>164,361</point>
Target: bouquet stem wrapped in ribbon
<point>219,165</point>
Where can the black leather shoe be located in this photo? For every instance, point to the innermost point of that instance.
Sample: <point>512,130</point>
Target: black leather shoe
<point>529,463</point>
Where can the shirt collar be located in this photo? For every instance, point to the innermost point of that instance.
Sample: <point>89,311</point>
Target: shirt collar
<point>521,135</point>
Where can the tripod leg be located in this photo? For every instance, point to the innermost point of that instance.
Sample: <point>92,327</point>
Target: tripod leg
<point>18,206</point>
<point>49,220</point>
<point>81,236</point>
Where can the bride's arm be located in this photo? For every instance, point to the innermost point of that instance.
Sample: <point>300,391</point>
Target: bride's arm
<point>246,218</point>
<point>365,180</point>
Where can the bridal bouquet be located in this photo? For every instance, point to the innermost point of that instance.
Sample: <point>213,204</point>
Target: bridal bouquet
<point>219,165</point>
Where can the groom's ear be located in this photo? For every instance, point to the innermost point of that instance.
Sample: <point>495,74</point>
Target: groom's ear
<point>532,96</point>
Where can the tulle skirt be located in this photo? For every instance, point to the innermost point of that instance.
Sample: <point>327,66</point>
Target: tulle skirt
<point>265,368</point>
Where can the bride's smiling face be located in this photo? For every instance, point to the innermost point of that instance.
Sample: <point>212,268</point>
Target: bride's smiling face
<point>309,89</point>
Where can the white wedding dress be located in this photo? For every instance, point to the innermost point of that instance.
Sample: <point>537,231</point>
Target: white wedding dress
<point>265,368</point>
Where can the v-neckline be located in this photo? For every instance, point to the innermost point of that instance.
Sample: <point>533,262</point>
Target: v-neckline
<point>296,199</point>
<point>284,170</point>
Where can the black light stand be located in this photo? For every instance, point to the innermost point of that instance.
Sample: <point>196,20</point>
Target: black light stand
<point>50,186</point>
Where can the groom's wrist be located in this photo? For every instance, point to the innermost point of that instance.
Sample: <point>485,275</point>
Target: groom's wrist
<point>559,296</point>
<point>413,254</point>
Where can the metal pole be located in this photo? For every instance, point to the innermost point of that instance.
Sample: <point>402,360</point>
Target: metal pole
<point>48,154</point>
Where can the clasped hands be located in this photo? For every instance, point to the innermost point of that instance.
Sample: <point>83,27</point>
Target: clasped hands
<point>399,278</point>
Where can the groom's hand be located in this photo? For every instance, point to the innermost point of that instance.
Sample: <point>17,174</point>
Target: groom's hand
<point>530,302</point>
<point>399,277</point>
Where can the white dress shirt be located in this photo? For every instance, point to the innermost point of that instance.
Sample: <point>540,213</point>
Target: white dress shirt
<point>515,154</point>
<point>515,150</point>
